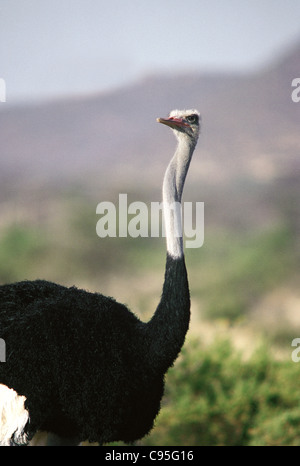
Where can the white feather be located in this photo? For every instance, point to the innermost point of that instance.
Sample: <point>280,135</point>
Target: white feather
<point>13,417</point>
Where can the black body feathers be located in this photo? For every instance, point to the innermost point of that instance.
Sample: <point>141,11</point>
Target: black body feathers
<point>87,366</point>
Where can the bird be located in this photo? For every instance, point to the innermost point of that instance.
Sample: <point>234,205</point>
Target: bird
<point>81,366</point>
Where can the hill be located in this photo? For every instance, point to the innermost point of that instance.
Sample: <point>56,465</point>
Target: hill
<point>250,129</point>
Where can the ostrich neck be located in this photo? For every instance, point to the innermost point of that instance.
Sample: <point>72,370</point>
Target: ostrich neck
<point>165,333</point>
<point>172,192</point>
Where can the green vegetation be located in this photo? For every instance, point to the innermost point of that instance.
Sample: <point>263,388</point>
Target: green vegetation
<point>235,271</point>
<point>20,248</point>
<point>215,397</point>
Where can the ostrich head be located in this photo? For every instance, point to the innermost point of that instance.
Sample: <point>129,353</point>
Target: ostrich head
<point>184,123</point>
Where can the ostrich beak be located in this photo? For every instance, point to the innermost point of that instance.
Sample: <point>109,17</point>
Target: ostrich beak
<point>173,122</point>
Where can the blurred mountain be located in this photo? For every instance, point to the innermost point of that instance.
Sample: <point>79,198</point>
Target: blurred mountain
<point>250,130</point>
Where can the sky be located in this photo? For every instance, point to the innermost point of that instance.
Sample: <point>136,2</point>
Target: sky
<point>68,47</point>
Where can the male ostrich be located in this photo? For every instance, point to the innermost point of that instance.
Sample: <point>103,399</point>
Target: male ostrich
<point>81,366</point>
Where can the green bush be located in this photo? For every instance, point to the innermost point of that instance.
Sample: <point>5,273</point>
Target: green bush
<point>215,397</point>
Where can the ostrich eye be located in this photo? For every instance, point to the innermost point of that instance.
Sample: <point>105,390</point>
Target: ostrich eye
<point>192,118</point>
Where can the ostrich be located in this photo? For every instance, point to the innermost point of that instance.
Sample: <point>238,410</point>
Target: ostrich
<point>80,365</point>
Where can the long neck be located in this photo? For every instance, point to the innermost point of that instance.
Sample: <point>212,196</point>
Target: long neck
<point>167,329</point>
<point>172,192</point>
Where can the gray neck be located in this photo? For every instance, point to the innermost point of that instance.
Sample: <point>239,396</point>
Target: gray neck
<point>172,192</point>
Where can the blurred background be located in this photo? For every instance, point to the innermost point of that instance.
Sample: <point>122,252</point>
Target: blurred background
<point>85,82</point>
